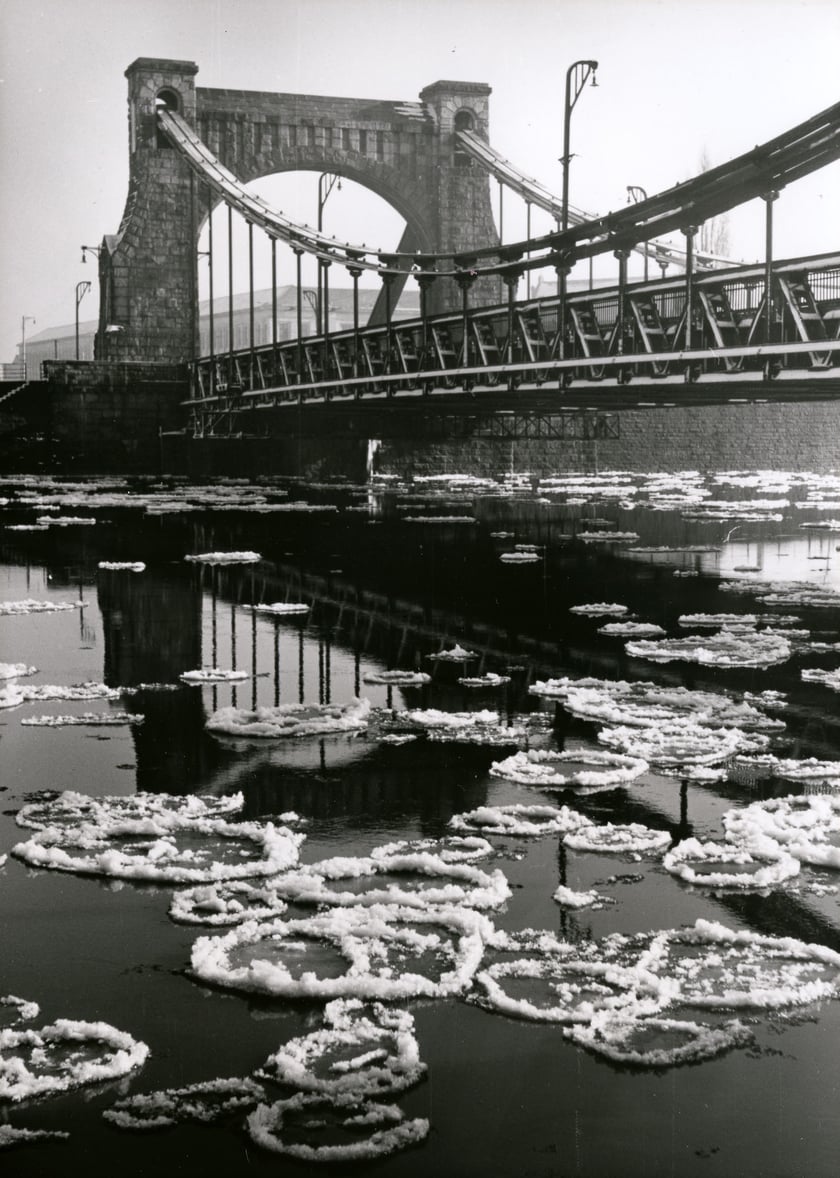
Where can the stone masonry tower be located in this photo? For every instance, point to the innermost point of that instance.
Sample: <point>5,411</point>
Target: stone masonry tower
<point>406,152</point>
<point>148,274</point>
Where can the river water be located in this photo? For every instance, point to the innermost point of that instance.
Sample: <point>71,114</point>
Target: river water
<point>392,575</point>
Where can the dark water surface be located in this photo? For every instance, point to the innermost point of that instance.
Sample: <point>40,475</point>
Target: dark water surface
<point>504,1096</point>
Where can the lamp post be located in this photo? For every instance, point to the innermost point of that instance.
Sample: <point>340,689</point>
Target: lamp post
<point>91,249</point>
<point>326,182</point>
<point>81,290</point>
<point>577,75</point>
<point>24,319</point>
<point>635,193</point>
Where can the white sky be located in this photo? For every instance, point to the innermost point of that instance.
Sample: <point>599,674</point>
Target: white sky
<point>676,77</point>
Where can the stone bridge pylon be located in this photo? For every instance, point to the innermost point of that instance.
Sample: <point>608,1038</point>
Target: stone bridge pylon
<point>403,151</point>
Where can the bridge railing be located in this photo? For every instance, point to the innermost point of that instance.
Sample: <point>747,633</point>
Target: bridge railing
<point>707,327</point>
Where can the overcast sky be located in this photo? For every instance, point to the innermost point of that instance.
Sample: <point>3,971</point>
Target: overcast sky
<point>676,78</point>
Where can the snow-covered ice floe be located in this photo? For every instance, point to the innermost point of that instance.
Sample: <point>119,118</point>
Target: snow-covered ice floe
<point>480,727</point>
<point>519,820</point>
<point>17,1010</point>
<point>205,1103</point>
<point>716,967</point>
<point>163,849</point>
<point>550,769</point>
<point>363,1049</point>
<point>64,1055</point>
<point>555,989</point>
<point>829,679</point>
<point>88,719</point>
<point>633,838</point>
<point>292,1127</point>
<point>599,609</point>
<point>723,865</point>
<point>71,808</point>
<point>226,904</point>
<point>291,720</point>
<point>451,848</point>
<point>11,1136</point>
<point>632,630</point>
<point>520,557</point>
<point>280,607</point>
<point>806,827</point>
<point>30,606</point>
<point>116,566</point>
<point>397,678</point>
<point>645,704</point>
<point>569,898</point>
<point>410,880</point>
<point>212,675</point>
<point>657,1042</point>
<point>224,557</point>
<point>677,743</point>
<point>454,654</point>
<point>490,679</point>
<point>16,670</point>
<point>729,648</point>
<point>382,952</point>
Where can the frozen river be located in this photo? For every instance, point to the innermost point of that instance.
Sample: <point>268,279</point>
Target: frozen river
<point>455,827</point>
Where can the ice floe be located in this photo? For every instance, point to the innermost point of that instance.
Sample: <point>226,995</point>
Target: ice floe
<point>397,678</point>
<point>450,848</point>
<point>379,952</point>
<point>490,679</point>
<point>63,1055</point>
<point>717,967</point>
<point>363,1050</point>
<point>520,557</point>
<point>645,704</point>
<point>224,557</point>
<point>212,675</point>
<point>657,1042</point>
<point>723,865</point>
<point>562,990</point>
<point>519,820</point>
<point>408,879</point>
<point>454,654</point>
<point>89,719</point>
<point>551,769</point>
<point>632,630</point>
<point>31,606</point>
<point>17,1010</point>
<point>205,1103</point>
<point>829,679</point>
<point>226,904</point>
<point>291,1127</point>
<point>116,566</point>
<point>291,720</point>
<point>10,1136</point>
<point>71,808</point>
<point>16,670</point>
<point>280,607</point>
<point>598,609</point>
<point>569,898</point>
<point>729,648</point>
<point>676,743</point>
<point>161,849</point>
<point>632,838</point>
<point>808,827</point>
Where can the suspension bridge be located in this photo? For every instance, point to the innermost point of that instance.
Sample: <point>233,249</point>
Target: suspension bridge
<point>479,358</point>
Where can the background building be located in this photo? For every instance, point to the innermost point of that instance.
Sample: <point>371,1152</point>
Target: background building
<point>59,343</point>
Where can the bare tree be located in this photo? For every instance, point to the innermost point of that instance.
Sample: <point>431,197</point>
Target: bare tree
<point>713,237</point>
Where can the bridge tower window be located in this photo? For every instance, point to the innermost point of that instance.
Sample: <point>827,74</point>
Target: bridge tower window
<point>165,100</point>
<point>464,121</point>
